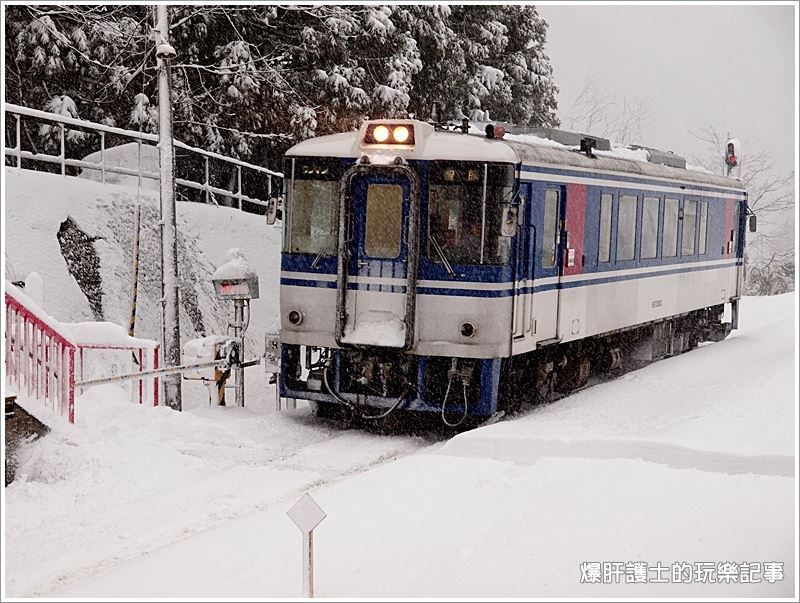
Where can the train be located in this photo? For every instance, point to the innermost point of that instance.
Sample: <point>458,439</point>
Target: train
<point>466,271</point>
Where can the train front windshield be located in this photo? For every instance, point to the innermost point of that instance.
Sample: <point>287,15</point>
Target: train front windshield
<point>313,216</point>
<point>465,204</point>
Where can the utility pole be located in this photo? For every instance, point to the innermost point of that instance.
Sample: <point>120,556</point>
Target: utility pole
<point>170,304</point>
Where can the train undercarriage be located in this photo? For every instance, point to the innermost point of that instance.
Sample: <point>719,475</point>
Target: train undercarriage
<point>369,385</point>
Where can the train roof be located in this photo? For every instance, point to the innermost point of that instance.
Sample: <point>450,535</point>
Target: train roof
<point>434,144</point>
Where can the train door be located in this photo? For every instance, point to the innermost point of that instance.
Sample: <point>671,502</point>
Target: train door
<point>378,256</point>
<point>547,209</point>
<point>524,262</point>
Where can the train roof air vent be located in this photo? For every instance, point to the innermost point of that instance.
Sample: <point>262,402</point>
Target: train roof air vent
<point>570,139</point>
<point>663,157</point>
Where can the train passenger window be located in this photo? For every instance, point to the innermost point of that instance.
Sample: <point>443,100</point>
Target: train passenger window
<point>701,246</point>
<point>313,207</point>
<point>604,246</point>
<point>550,231</point>
<point>384,220</point>
<point>670,244</point>
<point>461,220</point>
<point>689,227</point>
<point>650,211</point>
<point>626,229</point>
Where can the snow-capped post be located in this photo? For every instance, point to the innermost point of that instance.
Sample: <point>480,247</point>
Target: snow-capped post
<point>237,281</point>
<point>169,244</point>
<point>307,515</point>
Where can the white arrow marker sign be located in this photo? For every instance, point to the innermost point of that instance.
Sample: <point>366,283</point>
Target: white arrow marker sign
<point>307,515</point>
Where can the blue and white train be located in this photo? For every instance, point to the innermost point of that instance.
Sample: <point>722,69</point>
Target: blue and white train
<point>439,271</point>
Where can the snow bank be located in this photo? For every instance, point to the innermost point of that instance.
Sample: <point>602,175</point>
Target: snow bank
<point>37,203</point>
<point>128,480</point>
<point>34,288</point>
<point>127,156</point>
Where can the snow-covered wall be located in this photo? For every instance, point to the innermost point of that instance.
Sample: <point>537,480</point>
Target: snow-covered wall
<point>38,203</point>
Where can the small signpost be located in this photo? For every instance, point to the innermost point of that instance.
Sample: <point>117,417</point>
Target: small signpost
<point>307,515</point>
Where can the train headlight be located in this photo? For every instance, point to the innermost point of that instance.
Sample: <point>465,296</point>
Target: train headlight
<point>468,329</point>
<point>389,134</point>
<point>380,134</point>
<point>400,134</point>
<point>295,317</point>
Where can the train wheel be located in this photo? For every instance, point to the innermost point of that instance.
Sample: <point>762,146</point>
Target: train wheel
<point>575,374</point>
<point>545,383</point>
<point>584,371</point>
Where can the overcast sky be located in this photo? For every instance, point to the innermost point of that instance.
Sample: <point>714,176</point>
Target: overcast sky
<point>692,66</point>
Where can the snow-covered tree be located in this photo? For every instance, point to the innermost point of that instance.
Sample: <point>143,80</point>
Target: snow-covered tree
<point>487,58</point>
<point>250,80</point>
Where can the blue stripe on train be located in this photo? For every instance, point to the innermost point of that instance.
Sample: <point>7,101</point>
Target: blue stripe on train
<point>600,176</point>
<point>505,292</point>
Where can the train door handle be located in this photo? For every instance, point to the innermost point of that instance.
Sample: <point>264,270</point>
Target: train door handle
<point>363,263</point>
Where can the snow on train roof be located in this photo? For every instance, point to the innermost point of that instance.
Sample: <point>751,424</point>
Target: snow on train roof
<point>430,144</point>
<point>533,150</point>
<point>514,148</point>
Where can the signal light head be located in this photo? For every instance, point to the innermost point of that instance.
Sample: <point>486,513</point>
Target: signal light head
<point>389,134</point>
<point>730,154</point>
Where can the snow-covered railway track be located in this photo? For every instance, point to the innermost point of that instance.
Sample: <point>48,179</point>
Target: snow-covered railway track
<point>136,489</point>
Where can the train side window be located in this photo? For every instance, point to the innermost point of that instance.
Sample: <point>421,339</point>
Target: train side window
<point>384,220</point>
<point>689,227</point>
<point>626,229</point>
<point>604,245</point>
<point>701,246</point>
<point>550,230</point>
<point>465,207</point>
<point>735,232</point>
<point>669,248</point>
<point>650,211</point>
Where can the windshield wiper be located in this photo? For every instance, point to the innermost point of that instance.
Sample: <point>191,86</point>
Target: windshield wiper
<point>319,255</point>
<point>443,257</point>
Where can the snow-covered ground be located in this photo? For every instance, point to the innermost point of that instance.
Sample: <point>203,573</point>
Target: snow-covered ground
<point>688,460</point>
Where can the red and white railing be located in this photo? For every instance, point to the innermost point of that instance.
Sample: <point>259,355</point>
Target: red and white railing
<point>40,355</point>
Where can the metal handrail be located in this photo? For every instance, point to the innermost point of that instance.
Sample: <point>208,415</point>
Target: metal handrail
<point>40,357</point>
<point>19,111</point>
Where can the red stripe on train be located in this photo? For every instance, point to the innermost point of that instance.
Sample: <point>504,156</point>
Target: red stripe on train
<point>575,224</point>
